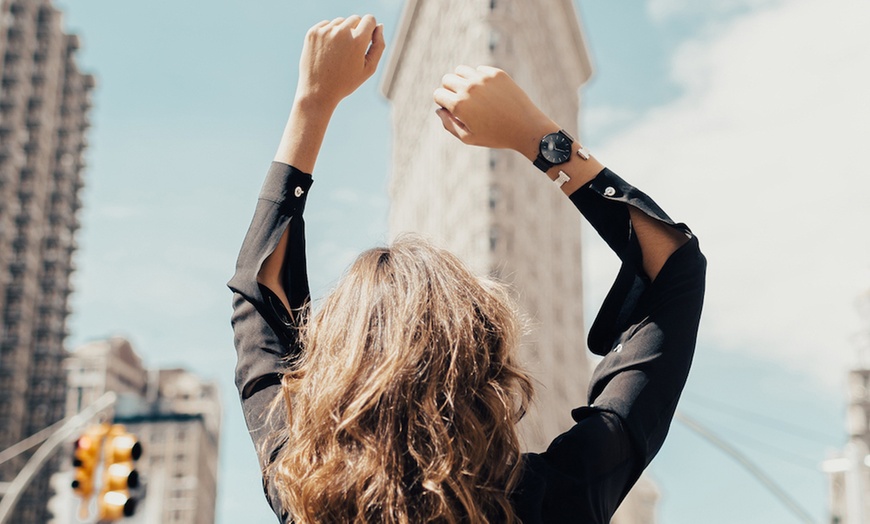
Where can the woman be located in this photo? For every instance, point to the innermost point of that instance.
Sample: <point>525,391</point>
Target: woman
<point>397,401</point>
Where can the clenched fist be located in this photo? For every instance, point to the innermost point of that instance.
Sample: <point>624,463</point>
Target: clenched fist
<point>337,57</point>
<point>485,107</point>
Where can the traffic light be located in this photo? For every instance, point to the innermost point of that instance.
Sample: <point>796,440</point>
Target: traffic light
<point>120,452</point>
<point>86,456</point>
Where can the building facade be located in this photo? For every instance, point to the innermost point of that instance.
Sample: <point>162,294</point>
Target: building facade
<point>100,366</point>
<point>175,415</point>
<point>180,432</point>
<point>492,207</point>
<point>849,471</point>
<point>44,106</point>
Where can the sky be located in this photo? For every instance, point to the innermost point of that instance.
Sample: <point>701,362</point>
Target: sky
<point>747,119</point>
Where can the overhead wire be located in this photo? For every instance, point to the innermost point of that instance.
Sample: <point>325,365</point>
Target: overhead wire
<point>773,451</point>
<point>768,421</point>
<point>775,489</point>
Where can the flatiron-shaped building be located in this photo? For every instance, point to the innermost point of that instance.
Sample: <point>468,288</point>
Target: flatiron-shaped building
<point>493,208</point>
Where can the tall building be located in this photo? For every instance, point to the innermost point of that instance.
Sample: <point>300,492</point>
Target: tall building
<point>44,105</point>
<point>174,414</point>
<point>491,207</point>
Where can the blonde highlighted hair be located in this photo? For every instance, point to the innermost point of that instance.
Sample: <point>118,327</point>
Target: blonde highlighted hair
<point>404,404</point>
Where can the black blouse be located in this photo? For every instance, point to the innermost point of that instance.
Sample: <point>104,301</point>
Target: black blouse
<point>645,331</point>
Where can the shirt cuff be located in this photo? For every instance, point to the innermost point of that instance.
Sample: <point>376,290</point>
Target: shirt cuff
<point>286,186</point>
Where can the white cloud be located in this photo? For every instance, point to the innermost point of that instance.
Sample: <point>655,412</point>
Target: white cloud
<point>606,119</point>
<point>765,157</point>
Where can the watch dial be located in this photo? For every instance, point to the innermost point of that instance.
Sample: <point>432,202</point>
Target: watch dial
<point>556,148</point>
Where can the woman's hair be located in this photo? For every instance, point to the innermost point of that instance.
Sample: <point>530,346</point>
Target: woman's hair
<point>403,406</point>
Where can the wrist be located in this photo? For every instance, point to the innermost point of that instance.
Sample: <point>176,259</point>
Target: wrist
<point>304,132</point>
<point>311,103</point>
<point>529,144</point>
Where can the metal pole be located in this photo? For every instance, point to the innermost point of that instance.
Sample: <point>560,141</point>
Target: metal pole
<point>754,470</point>
<point>17,486</point>
<point>37,438</point>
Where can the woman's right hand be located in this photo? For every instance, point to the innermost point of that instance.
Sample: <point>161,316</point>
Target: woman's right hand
<point>485,107</point>
<point>337,57</point>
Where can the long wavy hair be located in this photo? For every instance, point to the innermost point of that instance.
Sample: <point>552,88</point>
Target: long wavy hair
<point>403,407</point>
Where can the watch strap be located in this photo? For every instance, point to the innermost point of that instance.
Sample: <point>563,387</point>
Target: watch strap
<point>542,163</point>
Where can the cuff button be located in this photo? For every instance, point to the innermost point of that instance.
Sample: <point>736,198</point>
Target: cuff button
<point>298,192</point>
<point>609,192</point>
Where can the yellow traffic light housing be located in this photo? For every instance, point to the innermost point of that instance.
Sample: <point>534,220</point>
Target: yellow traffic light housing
<point>121,450</point>
<point>86,456</point>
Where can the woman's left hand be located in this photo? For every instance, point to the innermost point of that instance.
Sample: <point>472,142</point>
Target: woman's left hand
<point>483,106</point>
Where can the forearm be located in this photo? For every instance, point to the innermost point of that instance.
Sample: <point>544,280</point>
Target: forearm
<point>265,330</point>
<point>485,107</point>
<point>657,240</point>
<point>579,171</point>
<point>303,135</point>
<point>337,57</point>
<point>300,144</point>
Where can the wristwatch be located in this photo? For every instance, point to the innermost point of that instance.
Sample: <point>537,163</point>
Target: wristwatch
<point>555,149</point>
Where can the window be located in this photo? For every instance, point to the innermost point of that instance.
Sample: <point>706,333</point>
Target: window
<point>493,238</point>
<point>493,197</point>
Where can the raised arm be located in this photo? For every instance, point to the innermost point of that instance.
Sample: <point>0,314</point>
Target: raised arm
<point>337,57</point>
<point>270,284</point>
<point>473,102</point>
<point>646,328</point>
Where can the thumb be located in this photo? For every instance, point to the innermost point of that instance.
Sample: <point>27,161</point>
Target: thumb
<point>452,124</point>
<point>376,49</point>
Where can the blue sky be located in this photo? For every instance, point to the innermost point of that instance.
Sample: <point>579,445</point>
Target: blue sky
<point>744,118</point>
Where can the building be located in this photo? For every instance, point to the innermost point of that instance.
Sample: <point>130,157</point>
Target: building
<point>849,471</point>
<point>493,208</point>
<point>174,414</point>
<point>179,428</point>
<point>44,105</point>
<point>100,366</point>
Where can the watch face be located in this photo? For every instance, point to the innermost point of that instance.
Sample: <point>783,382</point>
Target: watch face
<point>556,148</point>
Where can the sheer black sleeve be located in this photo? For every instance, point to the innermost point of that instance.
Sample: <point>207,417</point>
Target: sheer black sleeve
<point>265,332</point>
<point>646,332</point>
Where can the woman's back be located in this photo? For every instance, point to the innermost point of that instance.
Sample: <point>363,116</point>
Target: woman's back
<point>397,400</point>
